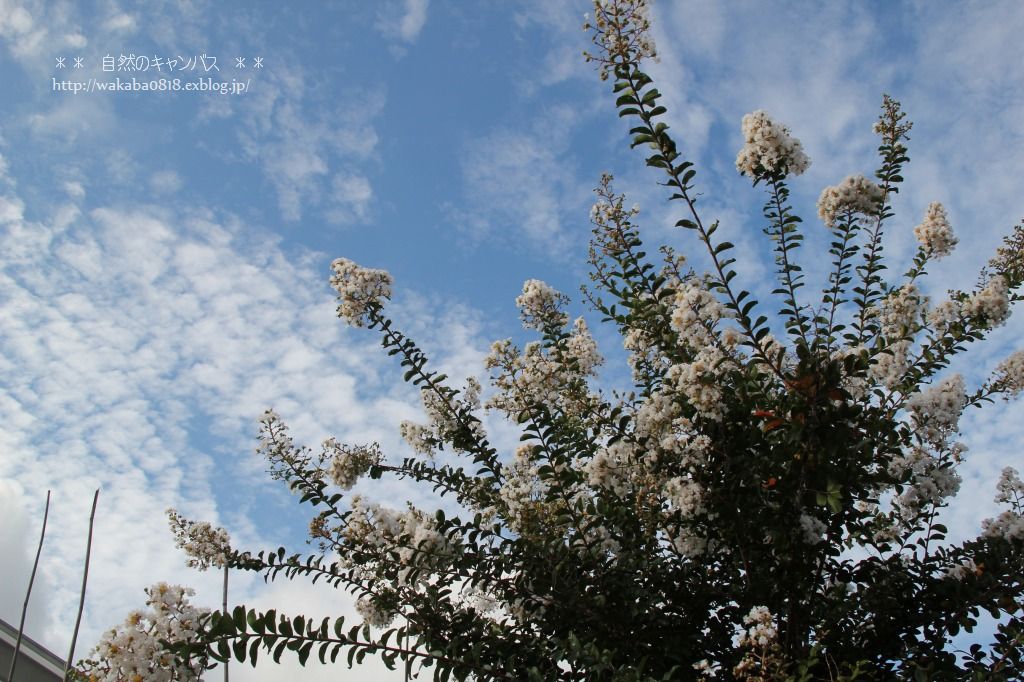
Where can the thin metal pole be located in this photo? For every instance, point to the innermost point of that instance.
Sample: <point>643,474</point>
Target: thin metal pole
<point>225,612</point>
<point>85,579</point>
<point>28,592</point>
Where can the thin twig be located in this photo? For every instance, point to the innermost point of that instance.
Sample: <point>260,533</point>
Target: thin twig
<point>32,578</point>
<point>85,579</point>
<point>225,610</point>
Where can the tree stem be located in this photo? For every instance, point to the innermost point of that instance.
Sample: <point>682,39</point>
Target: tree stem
<point>28,592</point>
<point>85,580</point>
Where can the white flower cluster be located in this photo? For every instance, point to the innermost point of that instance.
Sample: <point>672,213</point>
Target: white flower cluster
<point>991,304</point>
<point>643,352</point>
<point>521,487</point>
<point>540,305</point>
<point>706,669</point>
<point>1010,488</point>
<point>687,540</point>
<point>205,545</point>
<point>443,421</point>
<point>936,411</point>
<point>942,316</point>
<point>855,194</point>
<point>813,529</point>
<point>761,638</point>
<point>685,495</point>
<point>1009,526</point>
<point>1010,374</point>
<point>762,631</point>
<point>769,149</point>
<point>960,571</point>
<point>930,482</point>
<point>597,540</point>
<point>582,348</point>
<point>612,467</point>
<point>899,318</point>
<point>889,366</point>
<point>935,234</point>
<point>411,536</point>
<point>538,376</point>
<point>349,462</point>
<point>698,380</point>
<point>660,420</point>
<point>132,651</point>
<point>358,289</point>
<point>695,313</point>
<point>373,613</point>
<point>623,32</point>
<point>901,312</point>
<point>477,598</point>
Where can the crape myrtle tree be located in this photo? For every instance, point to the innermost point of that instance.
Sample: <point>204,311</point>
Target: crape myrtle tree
<point>757,506</point>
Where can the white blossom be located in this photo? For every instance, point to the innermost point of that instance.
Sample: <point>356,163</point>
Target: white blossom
<point>699,380</point>
<point>942,316</point>
<point>347,463</point>
<point>960,571</point>
<point>685,495</point>
<point>204,544</point>
<point>643,351</point>
<point>1010,488</point>
<point>706,669</point>
<point>521,487</point>
<point>132,651</point>
<point>769,148</point>
<point>935,234</point>
<point>813,529</point>
<point>540,305</point>
<point>420,437</point>
<point>855,194</point>
<point>936,410</point>
<point>930,482</point>
<point>611,467</point>
<point>991,304</point>
<point>687,542</point>
<point>762,631</point>
<point>901,312</point>
<point>889,366</point>
<point>1010,374</point>
<point>372,613</point>
<point>659,419</point>
<point>358,289</point>
<point>582,349</point>
<point>623,31</point>
<point>695,313</point>
<point>444,421</point>
<point>1009,526</point>
<point>411,536</point>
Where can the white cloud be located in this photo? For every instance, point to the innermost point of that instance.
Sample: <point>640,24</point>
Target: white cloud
<point>120,23</point>
<point>165,182</point>
<point>128,326</point>
<point>11,209</point>
<point>403,20</point>
<point>351,196</point>
<point>522,184</point>
<point>299,141</point>
<point>19,536</point>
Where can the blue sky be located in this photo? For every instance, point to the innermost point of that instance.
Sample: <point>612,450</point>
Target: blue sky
<point>165,254</point>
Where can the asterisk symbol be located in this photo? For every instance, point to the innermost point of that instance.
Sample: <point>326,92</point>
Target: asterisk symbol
<point>78,62</point>
<point>239,62</point>
<point>257,62</point>
<point>60,62</point>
